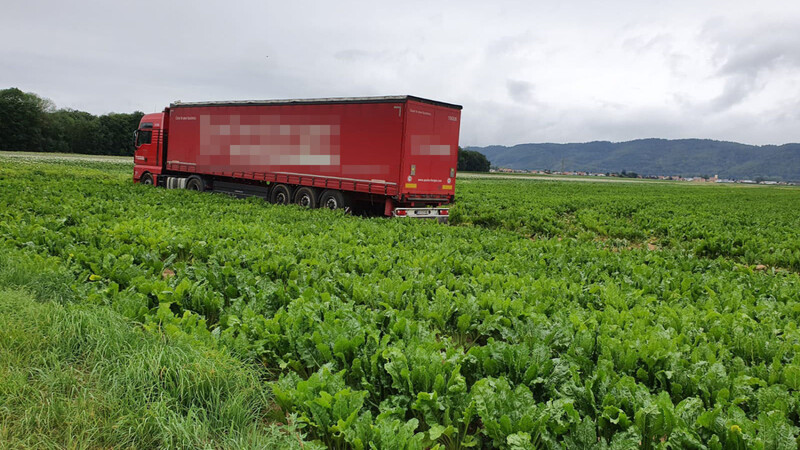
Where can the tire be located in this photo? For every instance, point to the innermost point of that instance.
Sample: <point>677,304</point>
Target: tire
<point>146,179</point>
<point>306,197</point>
<point>280,194</point>
<point>332,199</point>
<point>195,184</point>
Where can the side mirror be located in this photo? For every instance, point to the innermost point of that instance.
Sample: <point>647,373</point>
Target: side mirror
<point>135,139</point>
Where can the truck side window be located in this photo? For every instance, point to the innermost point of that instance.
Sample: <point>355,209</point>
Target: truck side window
<point>144,137</point>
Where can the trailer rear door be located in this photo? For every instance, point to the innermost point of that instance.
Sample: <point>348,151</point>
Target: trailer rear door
<point>430,150</point>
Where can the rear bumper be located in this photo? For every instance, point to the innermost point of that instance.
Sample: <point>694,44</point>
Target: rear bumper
<point>422,213</point>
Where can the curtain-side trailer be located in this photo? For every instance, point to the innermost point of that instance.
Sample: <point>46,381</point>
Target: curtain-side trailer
<point>397,152</point>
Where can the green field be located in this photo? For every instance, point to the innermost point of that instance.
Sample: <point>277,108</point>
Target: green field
<point>548,315</point>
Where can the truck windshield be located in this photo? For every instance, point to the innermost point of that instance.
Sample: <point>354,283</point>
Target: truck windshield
<point>144,137</point>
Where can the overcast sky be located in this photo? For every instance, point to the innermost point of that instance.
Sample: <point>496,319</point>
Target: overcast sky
<point>525,71</point>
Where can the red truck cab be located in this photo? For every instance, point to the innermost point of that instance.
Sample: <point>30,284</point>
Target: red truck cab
<point>149,141</point>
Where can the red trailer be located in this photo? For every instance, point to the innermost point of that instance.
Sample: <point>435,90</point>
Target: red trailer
<point>397,152</point>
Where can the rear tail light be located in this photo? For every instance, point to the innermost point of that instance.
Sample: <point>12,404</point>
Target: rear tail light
<point>401,212</point>
<point>444,212</point>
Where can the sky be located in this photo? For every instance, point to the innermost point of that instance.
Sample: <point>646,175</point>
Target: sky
<point>524,71</point>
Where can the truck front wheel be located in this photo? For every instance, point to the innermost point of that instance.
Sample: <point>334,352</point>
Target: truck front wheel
<point>280,195</point>
<point>146,179</point>
<point>306,197</point>
<point>195,183</point>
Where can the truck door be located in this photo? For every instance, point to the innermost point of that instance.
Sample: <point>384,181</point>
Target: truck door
<point>146,145</point>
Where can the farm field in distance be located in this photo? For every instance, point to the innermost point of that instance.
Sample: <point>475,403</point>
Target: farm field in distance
<point>550,314</point>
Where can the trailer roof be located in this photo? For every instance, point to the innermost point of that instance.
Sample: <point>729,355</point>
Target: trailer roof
<point>312,101</point>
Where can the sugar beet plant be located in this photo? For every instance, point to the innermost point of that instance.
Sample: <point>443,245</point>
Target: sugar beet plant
<point>381,333</point>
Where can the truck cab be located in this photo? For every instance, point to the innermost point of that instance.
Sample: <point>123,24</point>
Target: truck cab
<point>149,141</point>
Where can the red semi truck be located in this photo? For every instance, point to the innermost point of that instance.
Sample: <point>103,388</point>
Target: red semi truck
<point>395,153</point>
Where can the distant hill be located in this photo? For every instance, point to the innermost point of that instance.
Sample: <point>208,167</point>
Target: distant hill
<point>686,157</point>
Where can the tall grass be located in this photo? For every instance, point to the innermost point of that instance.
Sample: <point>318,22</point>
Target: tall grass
<point>82,376</point>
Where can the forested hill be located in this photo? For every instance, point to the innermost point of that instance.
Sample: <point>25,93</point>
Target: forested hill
<point>686,157</point>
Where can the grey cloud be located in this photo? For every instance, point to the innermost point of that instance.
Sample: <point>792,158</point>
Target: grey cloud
<point>520,91</point>
<point>489,118</point>
<point>662,44</point>
<point>636,123</point>
<point>677,63</point>
<point>359,55</point>
<point>381,56</point>
<point>760,49</point>
<point>737,88</point>
<point>747,56</point>
<point>519,45</point>
<point>641,43</point>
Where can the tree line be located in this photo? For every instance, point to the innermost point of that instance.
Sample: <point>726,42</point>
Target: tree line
<point>31,123</point>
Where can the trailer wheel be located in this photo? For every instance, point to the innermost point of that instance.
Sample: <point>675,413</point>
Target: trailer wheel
<point>306,197</point>
<point>332,199</point>
<point>195,183</point>
<point>280,195</point>
<point>146,179</point>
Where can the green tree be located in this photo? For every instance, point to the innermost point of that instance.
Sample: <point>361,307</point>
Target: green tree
<point>22,120</point>
<point>472,161</point>
<point>78,130</point>
<point>115,132</point>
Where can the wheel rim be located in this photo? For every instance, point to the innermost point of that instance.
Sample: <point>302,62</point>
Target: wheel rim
<point>331,203</point>
<point>147,181</point>
<point>280,198</point>
<point>305,200</point>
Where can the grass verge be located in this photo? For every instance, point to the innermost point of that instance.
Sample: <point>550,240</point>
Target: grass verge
<point>82,376</point>
<point>78,375</point>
